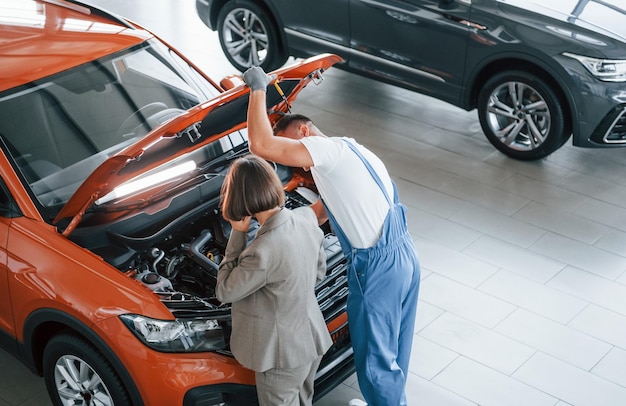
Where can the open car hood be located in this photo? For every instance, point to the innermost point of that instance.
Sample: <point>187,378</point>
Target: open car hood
<point>191,130</point>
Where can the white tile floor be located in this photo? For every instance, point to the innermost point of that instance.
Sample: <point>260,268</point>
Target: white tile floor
<point>523,299</point>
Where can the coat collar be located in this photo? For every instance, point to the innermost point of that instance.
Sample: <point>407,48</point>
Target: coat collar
<point>275,221</point>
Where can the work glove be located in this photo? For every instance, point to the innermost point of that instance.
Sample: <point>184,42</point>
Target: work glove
<point>257,79</point>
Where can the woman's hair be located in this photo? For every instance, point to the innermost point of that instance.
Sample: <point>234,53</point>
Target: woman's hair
<point>288,119</point>
<point>251,186</point>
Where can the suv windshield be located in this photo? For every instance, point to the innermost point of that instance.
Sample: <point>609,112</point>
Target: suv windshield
<point>60,128</point>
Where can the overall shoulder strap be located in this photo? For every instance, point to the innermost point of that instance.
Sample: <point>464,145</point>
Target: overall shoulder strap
<point>370,169</point>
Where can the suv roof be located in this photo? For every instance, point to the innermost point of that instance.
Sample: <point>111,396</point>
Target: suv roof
<point>38,40</point>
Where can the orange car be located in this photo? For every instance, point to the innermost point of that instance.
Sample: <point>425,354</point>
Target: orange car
<point>113,151</point>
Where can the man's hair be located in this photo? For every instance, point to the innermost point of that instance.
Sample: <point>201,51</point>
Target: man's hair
<point>288,119</point>
<point>251,186</point>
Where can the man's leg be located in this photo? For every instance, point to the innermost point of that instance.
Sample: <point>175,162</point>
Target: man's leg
<point>375,314</point>
<point>409,309</point>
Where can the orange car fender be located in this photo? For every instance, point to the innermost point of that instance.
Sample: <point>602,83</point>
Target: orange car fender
<point>46,270</point>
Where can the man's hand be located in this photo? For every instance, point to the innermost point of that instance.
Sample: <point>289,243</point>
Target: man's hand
<point>257,79</point>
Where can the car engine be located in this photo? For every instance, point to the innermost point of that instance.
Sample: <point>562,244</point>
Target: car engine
<point>175,249</point>
<point>183,269</point>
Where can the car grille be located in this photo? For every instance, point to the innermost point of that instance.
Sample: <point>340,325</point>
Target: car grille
<point>332,292</point>
<point>332,295</point>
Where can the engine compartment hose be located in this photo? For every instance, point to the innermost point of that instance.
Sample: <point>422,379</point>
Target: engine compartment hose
<point>201,259</point>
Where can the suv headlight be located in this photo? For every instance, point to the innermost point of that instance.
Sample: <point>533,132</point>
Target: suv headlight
<point>607,70</point>
<point>191,335</point>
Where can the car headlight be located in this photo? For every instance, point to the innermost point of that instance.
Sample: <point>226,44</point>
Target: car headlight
<point>608,70</point>
<point>191,335</point>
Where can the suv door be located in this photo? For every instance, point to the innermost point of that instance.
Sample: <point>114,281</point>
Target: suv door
<point>419,44</point>
<point>316,26</point>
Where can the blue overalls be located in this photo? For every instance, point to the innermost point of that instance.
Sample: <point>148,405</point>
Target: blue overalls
<point>383,286</point>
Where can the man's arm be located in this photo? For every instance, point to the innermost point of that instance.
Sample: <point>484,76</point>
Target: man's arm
<point>263,142</point>
<point>320,212</point>
<point>260,135</point>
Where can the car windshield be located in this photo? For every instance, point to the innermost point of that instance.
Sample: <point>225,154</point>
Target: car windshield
<point>60,128</point>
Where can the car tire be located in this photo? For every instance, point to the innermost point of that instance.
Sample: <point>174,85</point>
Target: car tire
<point>249,37</point>
<point>76,373</point>
<point>522,116</point>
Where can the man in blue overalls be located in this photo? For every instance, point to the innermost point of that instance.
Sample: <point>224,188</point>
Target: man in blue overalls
<point>361,202</point>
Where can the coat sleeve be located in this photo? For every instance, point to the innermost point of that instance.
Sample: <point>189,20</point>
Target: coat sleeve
<point>241,272</point>
<point>321,255</point>
<point>321,263</point>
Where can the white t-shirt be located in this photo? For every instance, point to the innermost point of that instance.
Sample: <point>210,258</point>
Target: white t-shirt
<point>348,189</point>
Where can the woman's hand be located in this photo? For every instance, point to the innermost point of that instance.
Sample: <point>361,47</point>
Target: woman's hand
<point>242,225</point>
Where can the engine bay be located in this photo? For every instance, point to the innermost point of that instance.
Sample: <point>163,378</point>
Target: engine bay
<point>174,247</point>
<point>183,268</point>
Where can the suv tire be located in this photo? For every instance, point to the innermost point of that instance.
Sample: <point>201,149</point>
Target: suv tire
<point>521,115</point>
<point>249,37</point>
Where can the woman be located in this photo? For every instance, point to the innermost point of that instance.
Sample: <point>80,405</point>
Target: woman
<point>278,329</point>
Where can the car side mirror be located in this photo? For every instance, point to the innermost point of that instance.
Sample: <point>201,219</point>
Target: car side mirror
<point>231,81</point>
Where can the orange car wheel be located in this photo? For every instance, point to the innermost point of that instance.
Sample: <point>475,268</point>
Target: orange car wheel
<point>77,374</point>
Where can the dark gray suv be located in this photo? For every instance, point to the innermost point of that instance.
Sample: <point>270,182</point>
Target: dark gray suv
<point>536,73</point>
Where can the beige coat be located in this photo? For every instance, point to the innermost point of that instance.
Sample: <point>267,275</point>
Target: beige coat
<point>277,322</point>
